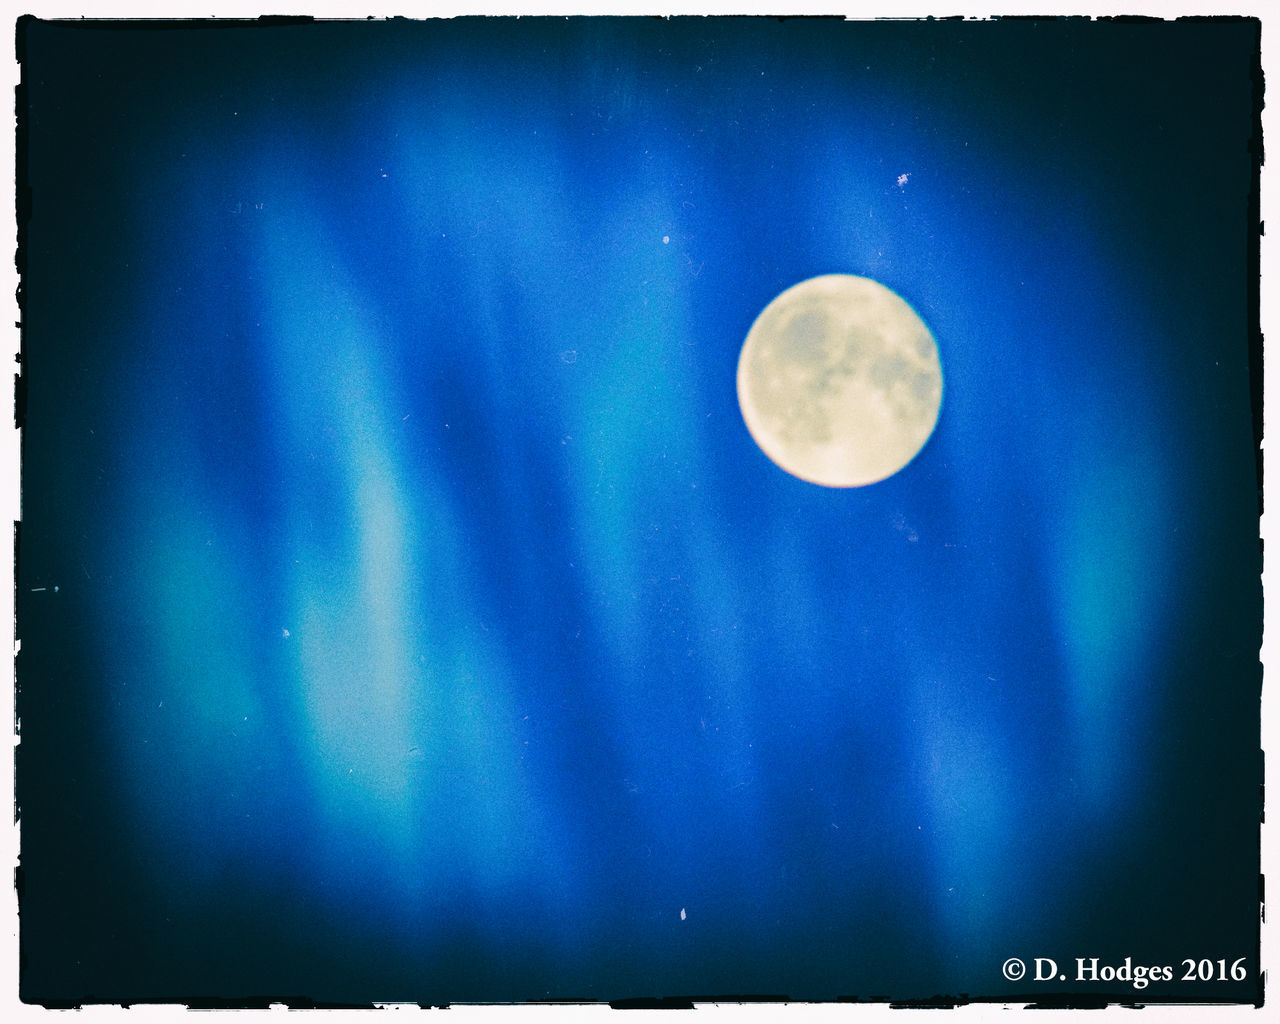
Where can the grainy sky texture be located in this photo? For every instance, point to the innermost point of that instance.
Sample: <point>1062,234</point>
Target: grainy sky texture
<point>406,612</point>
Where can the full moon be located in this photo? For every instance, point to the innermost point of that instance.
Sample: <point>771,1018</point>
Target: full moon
<point>839,381</point>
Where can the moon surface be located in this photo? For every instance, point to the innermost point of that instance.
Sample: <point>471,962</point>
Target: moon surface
<point>839,381</point>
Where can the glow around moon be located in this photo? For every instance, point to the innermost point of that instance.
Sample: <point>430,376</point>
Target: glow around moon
<point>839,381</point>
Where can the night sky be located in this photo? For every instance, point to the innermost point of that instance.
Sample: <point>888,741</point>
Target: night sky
<point>407,613</point>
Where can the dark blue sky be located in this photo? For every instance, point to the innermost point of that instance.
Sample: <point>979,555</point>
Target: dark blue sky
<point>427,624</point>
